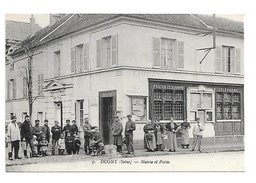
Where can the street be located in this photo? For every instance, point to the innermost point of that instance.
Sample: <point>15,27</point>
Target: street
<point>221,161</point>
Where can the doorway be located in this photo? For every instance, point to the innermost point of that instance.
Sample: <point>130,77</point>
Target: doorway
<point>107,112</point>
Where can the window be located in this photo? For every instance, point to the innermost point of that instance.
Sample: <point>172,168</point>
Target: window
<point>11,89</point>
<point>165,53</point>
<point>168,103</point>
<point>106,51</point>
<point>57,63</point>
<point>8,89</point>
<point>79,58</point>
<point>25,87</point>
<point>227,59</point>
<point>228,105</point>
<point>40,84</point>
<point>79,112</point>
<point>139,108</point>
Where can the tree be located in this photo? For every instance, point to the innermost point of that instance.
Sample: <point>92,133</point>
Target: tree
<point>31,97</point>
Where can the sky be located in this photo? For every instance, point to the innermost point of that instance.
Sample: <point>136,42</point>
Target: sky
<point>43,19</point>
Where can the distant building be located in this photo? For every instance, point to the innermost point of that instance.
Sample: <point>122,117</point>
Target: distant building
<point>147,65</point>
<point>16,31</point>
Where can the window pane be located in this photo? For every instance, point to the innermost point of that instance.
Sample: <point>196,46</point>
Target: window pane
<point>227,111</point>
<point>207,100</point>
<point>158,110</point>
<point>178,110</point>
<point>227,96</point>
<point>236,111</point>
<point>219,110</point>
<point>178,95</point>
<point>167,110</point>
<point>195,100</point>
<point>219,96</point>
<point>236,97</point>
<point>167,94</point>
<point>157,94</point>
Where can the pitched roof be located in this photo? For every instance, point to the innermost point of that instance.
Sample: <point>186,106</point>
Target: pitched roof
<point>18,30</point>
<point>75,22</point>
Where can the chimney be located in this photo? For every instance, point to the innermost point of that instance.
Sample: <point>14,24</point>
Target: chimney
<point>32,25</point>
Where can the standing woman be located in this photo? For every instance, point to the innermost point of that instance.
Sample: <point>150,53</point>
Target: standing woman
<point>172,129</point>
<point>185,134</point>
<point>149,137</point>
<point>159,131</point>
<point>117,129</point>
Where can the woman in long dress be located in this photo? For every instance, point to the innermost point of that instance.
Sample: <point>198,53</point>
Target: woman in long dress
<point>159,131</point>
<point>185,134</point>
<point>149,137</point>
<point>172,129</point>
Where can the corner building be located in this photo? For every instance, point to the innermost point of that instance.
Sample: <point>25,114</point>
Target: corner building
<point>146,65</point>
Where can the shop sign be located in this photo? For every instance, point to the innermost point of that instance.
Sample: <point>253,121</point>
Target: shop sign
<point>168,87</point>
<point>231,90</point>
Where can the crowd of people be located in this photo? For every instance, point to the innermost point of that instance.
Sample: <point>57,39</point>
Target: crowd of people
<point>157,137</point>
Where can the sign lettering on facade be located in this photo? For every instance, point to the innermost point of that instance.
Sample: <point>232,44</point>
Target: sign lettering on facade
<point>233,90</point>
<point>168,86</point>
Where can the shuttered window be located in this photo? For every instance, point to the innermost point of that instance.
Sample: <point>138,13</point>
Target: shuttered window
<point>57,63</point>
<point>227,59</point>
<point>25,87</point>
<point>168,53</point>
<point>107,51</point>
<point>8,89</point>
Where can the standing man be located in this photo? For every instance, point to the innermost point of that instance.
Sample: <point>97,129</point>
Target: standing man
<point>13,135</point>
<point>129,128</point>
<point>38,131</point>
<point>56,131</point>
<point>74,128</point>
<point>87,135</point>
<point>46,131</point>
<point>117,129</point>
<point>197,134</point>
<point>67,128</point>
<point>27,134</point>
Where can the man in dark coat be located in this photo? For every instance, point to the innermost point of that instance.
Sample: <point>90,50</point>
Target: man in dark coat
<point>27,134</point>
<point>46,131</point>
<point>117,129</point>
<point>129,128</point>
<point>38,131</point>
<point>74,128</point>
<point>56,131</point>
<point>87,135</point>
<point>67,128</point>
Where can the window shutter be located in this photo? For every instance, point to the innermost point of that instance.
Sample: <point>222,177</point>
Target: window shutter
<point>218,65</point>
<point>8,89</point>
<point>78,58</point>
<point>233,61</point>
<point>24,87</point>
<point>224,60</point>
<point>180,54</point>
<point>73,59</point>
<point>156,52</point>
<point>39,83</point>
<point>14,88</point>
<point>238,60</point>
<point>114,40</point>
<point>98,53</point>
<point>86,57</point>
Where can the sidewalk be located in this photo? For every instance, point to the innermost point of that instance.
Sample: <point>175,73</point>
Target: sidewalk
<point>138,153</point>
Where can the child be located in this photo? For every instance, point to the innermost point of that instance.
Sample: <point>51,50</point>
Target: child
<point>61,144</point>
<point>35,142</point>
<point>96,144</point>
<point>44,146</point>
<point>69,141</point>
<point>77,144</point>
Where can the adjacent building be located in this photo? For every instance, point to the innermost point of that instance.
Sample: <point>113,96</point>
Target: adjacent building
<point>148,65</point>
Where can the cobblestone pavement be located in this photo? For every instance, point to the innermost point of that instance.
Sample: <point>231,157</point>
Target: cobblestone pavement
<point>138,153</point>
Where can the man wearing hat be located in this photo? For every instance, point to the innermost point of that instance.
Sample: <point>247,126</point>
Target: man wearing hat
<point>27,134</point>
<point>87,135</point>
<point>67,128</point>
<point>13,135</point>
<point>197,134</point>
<point>129,128</point>
<point>38,131</point>
<point>46,131</point>
<point>117,129</point>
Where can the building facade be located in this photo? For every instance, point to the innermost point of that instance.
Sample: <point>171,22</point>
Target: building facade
<point>149,66</point>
